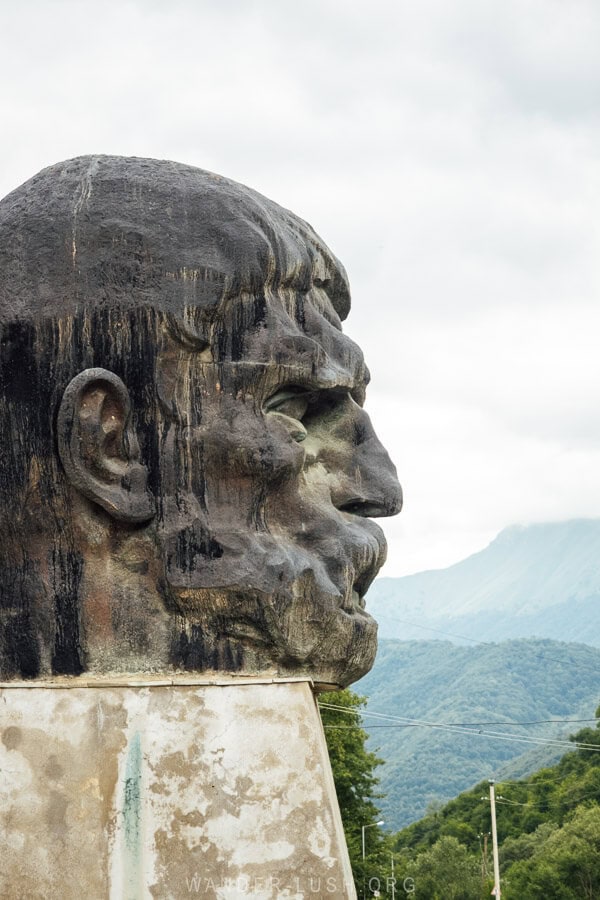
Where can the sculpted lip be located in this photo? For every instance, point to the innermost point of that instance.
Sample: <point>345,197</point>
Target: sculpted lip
<point>365,572</point>
<point>361,585</point>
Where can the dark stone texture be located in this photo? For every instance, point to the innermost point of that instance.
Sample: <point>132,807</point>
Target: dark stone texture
<point>187,475</point>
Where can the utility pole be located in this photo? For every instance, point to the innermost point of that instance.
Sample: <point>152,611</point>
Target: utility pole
<point>363,829</point>
<point>485,856</point>
<point>393,880</point>
<point>483,851</point>
<point>495,841</point>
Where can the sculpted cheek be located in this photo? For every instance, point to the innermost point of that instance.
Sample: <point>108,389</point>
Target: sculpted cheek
<point>250,446</point>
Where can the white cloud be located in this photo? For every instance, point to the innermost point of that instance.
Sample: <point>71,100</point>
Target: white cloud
<point>448,152</point>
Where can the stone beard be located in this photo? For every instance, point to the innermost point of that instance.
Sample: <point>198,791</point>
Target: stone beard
<point>188,477</point>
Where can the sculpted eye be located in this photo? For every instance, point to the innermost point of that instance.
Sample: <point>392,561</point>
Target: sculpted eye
<point>292,402</point>
<point>303,410</point>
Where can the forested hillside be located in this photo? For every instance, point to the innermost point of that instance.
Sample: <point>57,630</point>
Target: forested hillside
<point>484,690</point>
<point>548,832</point>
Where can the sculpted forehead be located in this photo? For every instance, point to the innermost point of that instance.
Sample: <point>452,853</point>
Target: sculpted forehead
<point>286,331</point>
<point>103,230</point>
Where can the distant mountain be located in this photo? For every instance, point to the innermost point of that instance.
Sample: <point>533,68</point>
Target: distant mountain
<point>535,580</point>
<point>440,682</point>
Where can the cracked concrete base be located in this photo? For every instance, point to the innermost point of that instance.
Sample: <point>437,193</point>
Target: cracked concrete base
<point>167,791</point>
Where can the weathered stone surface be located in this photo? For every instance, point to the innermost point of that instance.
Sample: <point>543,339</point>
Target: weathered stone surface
<point>187,476</point>
<point>165,792</point>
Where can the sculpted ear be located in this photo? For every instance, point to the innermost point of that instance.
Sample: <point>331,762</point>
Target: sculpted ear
<point>98,447</point>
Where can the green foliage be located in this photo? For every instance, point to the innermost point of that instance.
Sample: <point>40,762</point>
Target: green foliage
<point>516,849</point>
<point>548,832</point>
<point>447,871</point>
<point>548,824</point>
<point>565,863</point>
<point>436,681</point>
<point>353,768</point>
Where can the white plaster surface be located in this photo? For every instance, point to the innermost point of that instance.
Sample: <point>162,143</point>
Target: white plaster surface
<point>167,791</point>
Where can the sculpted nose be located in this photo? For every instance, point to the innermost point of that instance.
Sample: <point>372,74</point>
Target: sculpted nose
<point>367,484</point>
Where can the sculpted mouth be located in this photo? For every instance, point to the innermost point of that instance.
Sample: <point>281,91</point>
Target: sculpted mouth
<point>359,588</point>
<point>362,585</point>
<point>365,573</point>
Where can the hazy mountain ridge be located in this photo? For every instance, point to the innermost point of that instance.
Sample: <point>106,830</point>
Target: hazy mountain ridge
<point>541,580</point>
<point>438,681</point>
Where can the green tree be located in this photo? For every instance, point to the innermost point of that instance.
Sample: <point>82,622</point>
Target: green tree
<point>515,849</point>
<point>447,871</point>
<point>548,828</point>
<point>353,768</point>
<point>565,865</point>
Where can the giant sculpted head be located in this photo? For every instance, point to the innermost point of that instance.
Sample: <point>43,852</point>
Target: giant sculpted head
<point>188,478</point>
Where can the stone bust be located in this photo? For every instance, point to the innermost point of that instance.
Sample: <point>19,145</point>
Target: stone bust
<point>188,477</point>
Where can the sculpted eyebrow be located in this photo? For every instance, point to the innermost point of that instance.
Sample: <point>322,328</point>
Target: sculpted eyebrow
<point>329,378</point>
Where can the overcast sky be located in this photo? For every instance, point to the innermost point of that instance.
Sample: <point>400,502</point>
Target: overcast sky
<point>448,152</point>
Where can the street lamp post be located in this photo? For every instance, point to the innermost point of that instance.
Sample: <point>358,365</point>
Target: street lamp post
<point>363,829</point>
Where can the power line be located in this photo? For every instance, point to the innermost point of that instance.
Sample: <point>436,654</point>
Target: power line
<point>498,735</point>
<point>554,803</point>
<point>477,724</point>
<point>461,637</point>
<point>542,782</point>
<point>481,643</point>
<point>541,779</point>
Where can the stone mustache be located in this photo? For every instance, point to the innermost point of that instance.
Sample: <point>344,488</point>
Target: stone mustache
<point>188,478</point>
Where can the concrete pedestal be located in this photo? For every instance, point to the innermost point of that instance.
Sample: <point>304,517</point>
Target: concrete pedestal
<point>167,789</point>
